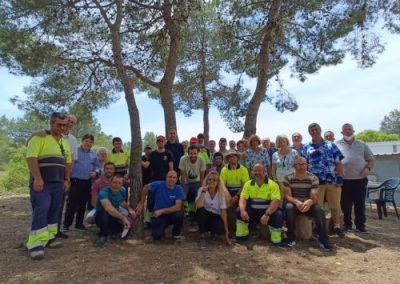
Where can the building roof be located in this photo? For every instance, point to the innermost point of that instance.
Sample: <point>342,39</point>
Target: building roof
<point>384,148</point>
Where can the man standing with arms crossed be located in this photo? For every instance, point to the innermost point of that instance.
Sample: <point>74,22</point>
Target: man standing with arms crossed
<point>358,162</point>
<point>49,163</point>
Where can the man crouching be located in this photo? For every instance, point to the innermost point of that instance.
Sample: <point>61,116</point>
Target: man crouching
<point>108,217</point>
<point>168,207</point>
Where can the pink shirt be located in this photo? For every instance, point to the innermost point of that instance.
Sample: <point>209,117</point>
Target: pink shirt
<point>99,184</point>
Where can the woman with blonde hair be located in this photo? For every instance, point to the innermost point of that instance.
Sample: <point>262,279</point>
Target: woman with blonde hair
<point>211,203</point>
<point>283,159</point>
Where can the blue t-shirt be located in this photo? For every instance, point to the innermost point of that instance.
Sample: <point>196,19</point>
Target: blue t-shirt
<point>165,197</point>
<point>115,199</point>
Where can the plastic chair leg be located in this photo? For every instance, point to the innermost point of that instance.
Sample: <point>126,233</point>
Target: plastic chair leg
<point>379,209</point>
<point>395,209</point>
<point>384,208</point>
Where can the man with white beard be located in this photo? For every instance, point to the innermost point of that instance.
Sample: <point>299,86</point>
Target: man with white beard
<point>358,162</point>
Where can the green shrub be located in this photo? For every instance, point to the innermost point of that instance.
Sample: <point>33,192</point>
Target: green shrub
<point>16,177</point>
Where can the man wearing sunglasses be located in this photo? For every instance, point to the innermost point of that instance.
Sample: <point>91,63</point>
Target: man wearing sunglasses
<point>49,162</point>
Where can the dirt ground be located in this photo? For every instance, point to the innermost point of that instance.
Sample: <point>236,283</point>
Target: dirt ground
<point>359,258</point>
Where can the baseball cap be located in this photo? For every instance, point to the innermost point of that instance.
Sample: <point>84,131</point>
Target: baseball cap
<point>193,140</point>
<point>160,138</point>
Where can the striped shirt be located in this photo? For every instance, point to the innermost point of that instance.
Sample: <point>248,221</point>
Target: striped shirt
<point>301,187</point>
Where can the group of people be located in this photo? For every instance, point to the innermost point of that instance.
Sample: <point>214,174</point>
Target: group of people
<point>228,192</point>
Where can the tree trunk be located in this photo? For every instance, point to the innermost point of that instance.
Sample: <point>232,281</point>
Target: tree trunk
<point>170,70</point>
<point>135,170</point>
<point>203,89</point>
<point>250,124</point>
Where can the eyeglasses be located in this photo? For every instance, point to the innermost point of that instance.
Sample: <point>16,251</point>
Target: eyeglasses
<point>212,179</point>
<point>61,124</point>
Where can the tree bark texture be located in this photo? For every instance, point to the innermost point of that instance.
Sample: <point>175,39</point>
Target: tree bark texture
<point>250,124</point>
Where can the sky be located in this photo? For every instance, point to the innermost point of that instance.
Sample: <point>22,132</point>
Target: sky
<point>334,96</point>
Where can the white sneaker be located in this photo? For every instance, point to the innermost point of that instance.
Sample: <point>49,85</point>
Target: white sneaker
<point>36,254</point>
<point>53,244</point>
<point>125,232</point>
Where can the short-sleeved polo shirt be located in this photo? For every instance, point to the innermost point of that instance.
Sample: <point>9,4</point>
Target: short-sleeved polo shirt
<point>269,190</point>
<point>52,156</point>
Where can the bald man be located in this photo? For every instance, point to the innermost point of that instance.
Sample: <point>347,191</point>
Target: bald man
<point>168,206</point>
<point>358,163</point>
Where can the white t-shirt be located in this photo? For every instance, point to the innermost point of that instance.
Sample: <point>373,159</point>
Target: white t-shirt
<point>192,170</point>
<point>73,144</point>
<point>212,205</point>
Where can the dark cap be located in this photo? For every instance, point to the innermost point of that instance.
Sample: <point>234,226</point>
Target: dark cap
<point>200,135</point>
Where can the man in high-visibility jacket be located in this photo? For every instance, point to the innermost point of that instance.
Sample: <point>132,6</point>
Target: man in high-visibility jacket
<point>235,176</point>
<point>259,203</point>
<point>49,163</point>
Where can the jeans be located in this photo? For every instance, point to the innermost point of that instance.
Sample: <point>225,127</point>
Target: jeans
<point>107,223</point>
<point>158,225</point>
<point>315,212</point>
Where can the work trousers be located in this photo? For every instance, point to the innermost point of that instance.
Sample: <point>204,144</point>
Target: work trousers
<point>275,223</point>
<point>45,208</point>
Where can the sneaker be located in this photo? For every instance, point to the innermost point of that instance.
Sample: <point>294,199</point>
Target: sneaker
<point>202,244</point>
<point>291,243</point>
<point>65,228</point>
<point>114,237</point>
<point>61,235</point>
<point>53,244</point>
<point>125,233</point>
<point>326,246</point>
<point>37,254</point>
<point>177,240</point>
<point>339,232</point>
<point>80,227</point>
<point>362,230</point>
<point>101,241</point>
<point>281,244</point>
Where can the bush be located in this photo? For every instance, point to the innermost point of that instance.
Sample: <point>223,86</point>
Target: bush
<point>16,177</point>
